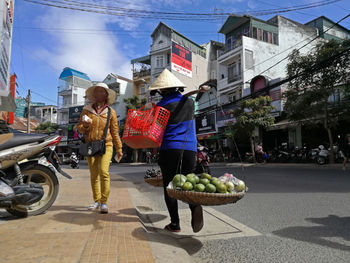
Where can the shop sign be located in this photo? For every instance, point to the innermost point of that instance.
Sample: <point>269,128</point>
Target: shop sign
<point>206,123</point>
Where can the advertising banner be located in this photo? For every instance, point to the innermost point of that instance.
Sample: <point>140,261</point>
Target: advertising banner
<point>74,114</point>
<point>181,60</point>
<point>206,123</point>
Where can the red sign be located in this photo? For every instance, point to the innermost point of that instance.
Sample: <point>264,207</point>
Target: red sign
<point>181,60</point>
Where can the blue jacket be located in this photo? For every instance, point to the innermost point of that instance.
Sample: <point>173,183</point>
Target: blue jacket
<point>180,132</point>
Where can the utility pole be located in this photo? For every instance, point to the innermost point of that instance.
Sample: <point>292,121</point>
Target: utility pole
<point>28,115</point>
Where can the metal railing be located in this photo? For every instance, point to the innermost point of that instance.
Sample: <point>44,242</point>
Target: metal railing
<point>234,45</point>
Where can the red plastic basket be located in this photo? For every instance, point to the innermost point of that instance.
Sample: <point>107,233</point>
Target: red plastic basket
<point>145,128</point>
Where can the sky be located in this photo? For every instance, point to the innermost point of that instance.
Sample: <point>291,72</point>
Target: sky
<point>48,39</point>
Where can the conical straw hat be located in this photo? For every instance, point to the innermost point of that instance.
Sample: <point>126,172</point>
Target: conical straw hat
<point>166,80</point>
<point>112,96</point>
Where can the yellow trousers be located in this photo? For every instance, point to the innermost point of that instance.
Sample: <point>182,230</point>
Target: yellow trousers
<point>99,175</point>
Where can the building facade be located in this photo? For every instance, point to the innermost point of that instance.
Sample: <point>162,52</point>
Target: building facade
<point>183,57</point>
<point>71,92</point>
<point>124,89</point>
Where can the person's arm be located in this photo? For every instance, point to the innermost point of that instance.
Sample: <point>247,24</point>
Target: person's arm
<point>114,129</point>
<point>83,126</point>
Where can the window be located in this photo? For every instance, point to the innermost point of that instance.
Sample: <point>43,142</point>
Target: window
<point>228,43</point>
<point>275,39</point>
<point>264,36</point>
<point>269,37</point>
<point>249,62</point>
<point>255,33</point>
<point>159,61</point>
<point>75,99</point>
<point>260,34</point>
<point>234,71</point>
<point>142,90</point>
<point>168,58</point>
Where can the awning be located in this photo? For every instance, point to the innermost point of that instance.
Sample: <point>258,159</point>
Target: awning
<point>143,60</point>
<point>204,136</point>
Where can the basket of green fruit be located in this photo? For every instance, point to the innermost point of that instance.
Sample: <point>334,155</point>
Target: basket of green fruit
<point>206,190</point>
<point>154,177</point>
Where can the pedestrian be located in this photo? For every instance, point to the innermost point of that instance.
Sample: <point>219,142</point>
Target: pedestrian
<point>92,123</point>
<point>202,161</point>
<point>177,153</point>
<point>345,148</point>
<point>260,154</point>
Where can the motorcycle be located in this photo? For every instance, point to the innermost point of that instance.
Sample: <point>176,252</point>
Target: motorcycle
<point>74,161</point>
<point>202,161</point>
<point>323,155</point>
<point>29,167</point>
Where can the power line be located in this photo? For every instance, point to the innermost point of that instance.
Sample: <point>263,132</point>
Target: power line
<point>38,94</point>
<point>138,13</point>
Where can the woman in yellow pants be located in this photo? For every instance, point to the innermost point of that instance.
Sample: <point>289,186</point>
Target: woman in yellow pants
<point>92,123</point>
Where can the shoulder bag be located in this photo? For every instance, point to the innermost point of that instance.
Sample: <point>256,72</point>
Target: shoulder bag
<point>96,148</point>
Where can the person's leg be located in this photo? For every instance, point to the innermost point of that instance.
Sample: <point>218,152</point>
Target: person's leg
<point>188,163</point>
<point>104,174</point>
<point>168,162</point>
<point>93,163</point>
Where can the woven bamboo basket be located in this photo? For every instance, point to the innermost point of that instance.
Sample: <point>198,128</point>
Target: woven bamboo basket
<point>201,198</point>
<point>155,181</point>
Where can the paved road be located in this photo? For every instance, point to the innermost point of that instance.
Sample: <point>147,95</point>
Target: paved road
<point>301,211</point>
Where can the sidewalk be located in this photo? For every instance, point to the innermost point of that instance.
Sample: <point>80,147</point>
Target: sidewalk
<point>70,233</point>
<point>131,232</point>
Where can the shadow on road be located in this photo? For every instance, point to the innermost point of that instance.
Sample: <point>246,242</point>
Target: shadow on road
<point>331,227</point>
<point>154,234</point>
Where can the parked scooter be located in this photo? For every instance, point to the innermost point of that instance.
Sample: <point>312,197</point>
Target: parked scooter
<point>28,174</point>
<point>323,155</point>
<point>74,161</point>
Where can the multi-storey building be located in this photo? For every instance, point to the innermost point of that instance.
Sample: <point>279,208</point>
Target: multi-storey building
<point>141,68</point>
<point>256,47</point>
<point>183,57</point>
<point>124,89</point>
<point>71,92</point>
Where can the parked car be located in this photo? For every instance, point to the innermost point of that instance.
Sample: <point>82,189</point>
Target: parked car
<point>64,157</point>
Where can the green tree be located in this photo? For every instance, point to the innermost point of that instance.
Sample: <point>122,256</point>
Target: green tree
<point>254,113</point>
<point>47,127</point>
<point>319,90</point>
<point>134,103</point>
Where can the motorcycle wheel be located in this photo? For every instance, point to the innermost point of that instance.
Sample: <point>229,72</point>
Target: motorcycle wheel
<point>48,180</point>
<point>320,160</point>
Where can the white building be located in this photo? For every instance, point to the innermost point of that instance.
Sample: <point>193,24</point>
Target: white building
<point>183,57</point>
<point>47,113</point>
<point>252,47</point>
<point>71,92</point>
<point>124,88</point>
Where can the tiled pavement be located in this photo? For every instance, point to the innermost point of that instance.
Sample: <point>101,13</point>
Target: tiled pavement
<point>70,233</point>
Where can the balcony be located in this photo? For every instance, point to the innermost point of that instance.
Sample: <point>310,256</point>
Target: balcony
<point>142,73</point>
<point>228,51</point>
<point>64,88</point>
<point>234,78</point>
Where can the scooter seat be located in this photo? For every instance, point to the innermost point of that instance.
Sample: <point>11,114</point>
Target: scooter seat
<point>20,139</point>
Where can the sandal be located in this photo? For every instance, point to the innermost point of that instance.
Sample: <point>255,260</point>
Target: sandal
<point>172,228</point>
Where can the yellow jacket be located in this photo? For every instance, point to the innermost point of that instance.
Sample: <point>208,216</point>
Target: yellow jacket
<point>96,129</point>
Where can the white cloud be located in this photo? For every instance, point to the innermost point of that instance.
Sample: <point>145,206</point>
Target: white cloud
<point>96,54</point>
<point>252,4</point>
